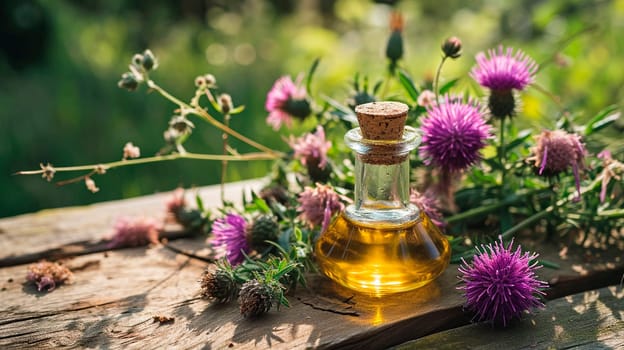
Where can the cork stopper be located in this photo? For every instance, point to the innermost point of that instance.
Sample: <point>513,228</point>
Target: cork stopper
<point>381,126</point>
<point>382,120</point>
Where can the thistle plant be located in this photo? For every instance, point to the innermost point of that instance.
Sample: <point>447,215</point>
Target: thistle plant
<point>178,131</point>
<point>474,166</point>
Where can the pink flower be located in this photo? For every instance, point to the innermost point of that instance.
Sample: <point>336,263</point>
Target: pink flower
<point>317,205</point>
<point>454,133</point>
<point>47,275</point>
<point>556,151</point>
<point>501,284</point>
<point>428,203</point>
<point>311,148</point>
<point>134,233</point>
<point>426,98</point>
<point>230,236</point>
<point>504,70</point>
<point>176,202</point>
<point>131,151</point>
<point>285,100</point>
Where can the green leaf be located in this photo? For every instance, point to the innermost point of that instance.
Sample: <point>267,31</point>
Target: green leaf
<point>311,73</point>
<point>347,114</point>
<point>200,202</point>
<point>446,87</point>
<point>603,119</point>
<point>522,136</point>
<point>408,85</point>
<point>237,109</point>
<point>377,87</point>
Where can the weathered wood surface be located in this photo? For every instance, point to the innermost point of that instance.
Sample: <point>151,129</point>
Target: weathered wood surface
<point>587,320</point>
<point>116,294</point>
<point>50,229</point>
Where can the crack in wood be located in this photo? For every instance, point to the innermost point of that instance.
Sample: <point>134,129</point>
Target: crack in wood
<point>80,248</point>
<point>187,253</point>
<point>334,311</point>
<point>16,335</point>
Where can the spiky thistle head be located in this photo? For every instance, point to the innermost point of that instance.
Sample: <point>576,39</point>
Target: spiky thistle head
<point>557,151</point>
<point>317,205</point>
<point>230,237</point>
<point>502,72</point>
<point>312,150</point>
<point>255,298</point>
<point>219,285</point>
<point>453,134</point>
<point>285,100</point>
<point>501,284</point>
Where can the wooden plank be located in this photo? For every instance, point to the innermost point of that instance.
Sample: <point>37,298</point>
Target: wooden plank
<point>114,299</point>
<point>588,320</point>
<point>54,228</point>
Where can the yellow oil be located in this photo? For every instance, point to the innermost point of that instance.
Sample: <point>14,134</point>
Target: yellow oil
<point>382,258</point>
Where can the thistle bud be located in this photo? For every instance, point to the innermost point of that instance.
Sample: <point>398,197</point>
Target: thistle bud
<point>137,60</point>
<point>149,61</point>
<point>219,286</point>
<point>394,48</point>
<point>225,102</point>
<point>181,124</point>
<point>255,299</point>
<point>128,81</point>
<point>264,228</point>
<point>452,47</point>
<point>299,108</point>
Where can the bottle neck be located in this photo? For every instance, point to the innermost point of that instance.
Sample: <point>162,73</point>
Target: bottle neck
<point>382,176</point>
<point>381,186</point>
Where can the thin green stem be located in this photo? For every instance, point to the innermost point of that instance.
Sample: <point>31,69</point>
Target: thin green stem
<point>154,159</point>
<point>502,156</point>
<point>224,163</point>
<point>492,207</point>
<point>436,82</point>
<point>542,214</point>
<point>206,116</point>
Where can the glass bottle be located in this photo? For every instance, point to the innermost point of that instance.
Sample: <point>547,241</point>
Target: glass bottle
<point>382,243</point>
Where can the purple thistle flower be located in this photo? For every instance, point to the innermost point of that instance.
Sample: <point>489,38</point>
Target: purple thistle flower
<point>428,203</point>
<point>501,284</point>
<point>285,100</point>
<point>230,237</point>
<point>453,134</point>
<point>558,150</point>
<point>317,205</point>
<point>311,148</point>
<point>503,70</point>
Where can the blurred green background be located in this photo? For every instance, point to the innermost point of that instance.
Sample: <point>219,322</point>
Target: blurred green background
<point>60,62</point>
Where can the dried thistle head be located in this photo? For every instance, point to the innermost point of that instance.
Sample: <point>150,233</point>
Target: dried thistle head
<point>219,285</point>
<point>47,275</point>
<point>255,298</point>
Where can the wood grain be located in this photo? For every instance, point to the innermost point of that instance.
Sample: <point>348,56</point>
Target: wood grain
<point>588,320</point>
<point>116,295</point>
<point>87,225</point>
